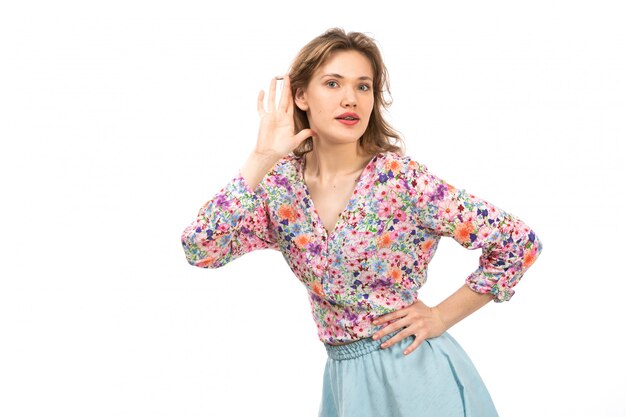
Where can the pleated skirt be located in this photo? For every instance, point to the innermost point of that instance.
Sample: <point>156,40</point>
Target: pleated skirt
<point>438,379</point>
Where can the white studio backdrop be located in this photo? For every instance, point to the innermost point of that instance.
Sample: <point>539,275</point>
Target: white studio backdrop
<point>118,120</point>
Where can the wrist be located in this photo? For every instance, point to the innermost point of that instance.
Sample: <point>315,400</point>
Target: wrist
<point>256,167</point>
<point>461,304</point>
<point>267,157</point>
<point>439,318</point>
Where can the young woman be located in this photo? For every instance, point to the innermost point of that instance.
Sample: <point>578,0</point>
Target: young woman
<point>358,223</point>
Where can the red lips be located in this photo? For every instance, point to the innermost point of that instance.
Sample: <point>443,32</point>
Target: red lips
<point>348,116</point>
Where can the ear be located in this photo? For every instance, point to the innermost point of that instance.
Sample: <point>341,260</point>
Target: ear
<point>300,99</point>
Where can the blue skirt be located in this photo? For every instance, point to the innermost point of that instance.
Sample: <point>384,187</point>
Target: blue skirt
<point>437,379</point>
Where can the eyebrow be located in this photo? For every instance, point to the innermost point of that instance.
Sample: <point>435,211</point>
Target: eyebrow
<point>363,77</point>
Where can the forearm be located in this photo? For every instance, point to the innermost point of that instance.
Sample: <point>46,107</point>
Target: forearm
<point>233,222</point>
<point>460,305</point>
<point>255,168</point>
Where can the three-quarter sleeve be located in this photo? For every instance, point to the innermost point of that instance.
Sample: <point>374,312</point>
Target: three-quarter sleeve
<point>509,247</point>
<point>235,221</point>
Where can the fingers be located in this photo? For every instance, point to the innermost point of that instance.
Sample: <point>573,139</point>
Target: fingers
<point>259,104</point>
<point>388,317</point>
<point>401,336</point>
<point>390,328</point>
<point>271,99</point>
<point>396,338</point>
<point>418,341</point>
<point>303,134</point>
<point>285,103</point>
<point>285,96</point>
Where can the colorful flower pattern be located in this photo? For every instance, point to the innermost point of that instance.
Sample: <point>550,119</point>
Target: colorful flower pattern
<point>376,258</point>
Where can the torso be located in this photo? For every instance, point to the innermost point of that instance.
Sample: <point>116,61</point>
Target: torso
<point>330,200</point>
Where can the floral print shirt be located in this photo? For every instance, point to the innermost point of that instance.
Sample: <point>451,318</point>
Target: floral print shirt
<point>375,259</point>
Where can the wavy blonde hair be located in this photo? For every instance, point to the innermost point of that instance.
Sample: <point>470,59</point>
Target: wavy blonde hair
<point>378,134</point>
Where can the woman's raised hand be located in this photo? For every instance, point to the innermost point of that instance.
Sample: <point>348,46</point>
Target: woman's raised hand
<point>276,131</point>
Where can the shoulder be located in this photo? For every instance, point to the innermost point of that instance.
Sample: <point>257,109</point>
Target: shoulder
<point>400,164</point>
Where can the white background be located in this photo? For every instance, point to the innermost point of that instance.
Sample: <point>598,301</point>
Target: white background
<point>119,119</point>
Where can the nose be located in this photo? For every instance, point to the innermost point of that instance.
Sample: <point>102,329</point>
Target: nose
<point>349,98</point>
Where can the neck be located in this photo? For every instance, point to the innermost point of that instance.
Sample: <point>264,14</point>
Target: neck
<point>328,162</point>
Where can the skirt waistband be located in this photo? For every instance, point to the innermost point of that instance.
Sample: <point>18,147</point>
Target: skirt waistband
<point>355,349</point>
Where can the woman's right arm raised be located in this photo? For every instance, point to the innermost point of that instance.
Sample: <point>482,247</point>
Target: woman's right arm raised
<point>235,221</point>
<point>276,134</point>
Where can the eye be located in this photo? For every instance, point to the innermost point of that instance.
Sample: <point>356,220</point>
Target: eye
<point>332,84</point>
<point>364,87</point>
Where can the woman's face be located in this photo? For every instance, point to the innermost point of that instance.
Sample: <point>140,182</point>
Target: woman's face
<point>339,98</point>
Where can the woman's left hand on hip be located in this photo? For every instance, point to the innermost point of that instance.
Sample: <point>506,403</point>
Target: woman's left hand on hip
<point>418,320</point>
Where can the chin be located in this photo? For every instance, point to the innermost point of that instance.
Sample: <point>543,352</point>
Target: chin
<point>344,141</point>
<point>345,138</point>
<point>339,137</point>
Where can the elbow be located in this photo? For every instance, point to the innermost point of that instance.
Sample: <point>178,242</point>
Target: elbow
<point>205,263</point>
<point>195,251</point>
<point>200,259</point>
<point>532,249</point>
<point>539,245</point>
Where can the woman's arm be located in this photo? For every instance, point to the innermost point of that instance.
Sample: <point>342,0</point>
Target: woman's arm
<point>427,322</point>
<point>509,247</point>
<point>256,167</point>
<point>460,305</point>
<point>236,219</point>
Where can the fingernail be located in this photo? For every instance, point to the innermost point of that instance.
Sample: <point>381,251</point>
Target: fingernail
<point>375,337</point>
<point>384,345</point>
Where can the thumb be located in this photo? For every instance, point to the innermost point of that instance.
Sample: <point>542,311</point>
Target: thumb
<point>303,134</point>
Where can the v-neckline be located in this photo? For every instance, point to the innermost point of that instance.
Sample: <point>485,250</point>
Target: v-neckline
<point>353,193</point>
